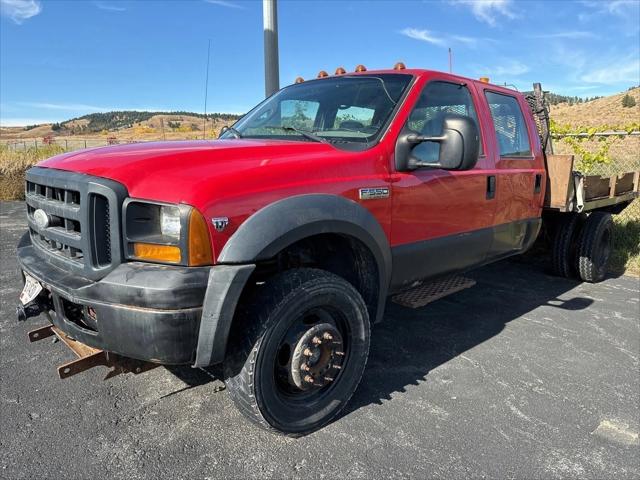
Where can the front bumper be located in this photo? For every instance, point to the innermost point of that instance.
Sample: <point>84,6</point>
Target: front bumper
<point>143,311</point>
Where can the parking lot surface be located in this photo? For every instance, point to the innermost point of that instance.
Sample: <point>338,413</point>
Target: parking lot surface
<point>524,375</point>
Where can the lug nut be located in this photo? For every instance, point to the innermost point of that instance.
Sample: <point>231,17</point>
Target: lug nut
<point>339,353</point>
<point>328,379</point>
<point>327,336</point>
<point>316,340</point>
<point>337,367</point>
<point>304,367</point>
<point>307,352</point>
<point>308,379</point>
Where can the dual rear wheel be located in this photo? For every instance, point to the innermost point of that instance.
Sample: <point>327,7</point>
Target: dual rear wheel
<point>582,246</point>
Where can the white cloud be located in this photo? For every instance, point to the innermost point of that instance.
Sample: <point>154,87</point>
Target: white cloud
<point>224,3</point>
<point>489,11</point>
<point>569,35</point>
<point>441,39</point>
<point>423,35</point>
<point>625,70</point>
<point>22,122</point>
<point>69,107</point>
<point>509,69</point>
<point>20,10</point>
<point>109,7</point>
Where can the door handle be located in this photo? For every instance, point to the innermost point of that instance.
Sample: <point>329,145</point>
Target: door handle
<point>538,185</point>
<point>491,187</point>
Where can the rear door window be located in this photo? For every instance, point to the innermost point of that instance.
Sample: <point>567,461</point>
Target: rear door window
<point>511,129</point>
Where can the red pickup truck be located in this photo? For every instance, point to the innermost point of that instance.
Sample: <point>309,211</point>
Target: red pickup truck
<point>273,249</point>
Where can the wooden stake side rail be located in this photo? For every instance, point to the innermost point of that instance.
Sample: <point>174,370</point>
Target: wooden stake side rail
<point>568,190</point>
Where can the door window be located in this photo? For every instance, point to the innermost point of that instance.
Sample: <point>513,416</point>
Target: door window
<point>436,100</point>
<point>511,131</point>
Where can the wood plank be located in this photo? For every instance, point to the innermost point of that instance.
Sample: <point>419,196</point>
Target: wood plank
<point>559,192</point>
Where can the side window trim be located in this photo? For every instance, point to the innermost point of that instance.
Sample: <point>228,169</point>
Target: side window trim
<point>529,157</point>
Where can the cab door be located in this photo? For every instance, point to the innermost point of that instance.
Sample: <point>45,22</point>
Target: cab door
<point>520,173</point>
<point>442,219</point>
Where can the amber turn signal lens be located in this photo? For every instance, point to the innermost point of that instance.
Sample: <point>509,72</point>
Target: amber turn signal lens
<point>199,241</point>
<point>156,253</point>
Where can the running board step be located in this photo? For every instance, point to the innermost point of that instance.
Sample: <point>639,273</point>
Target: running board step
<point>428,292</point>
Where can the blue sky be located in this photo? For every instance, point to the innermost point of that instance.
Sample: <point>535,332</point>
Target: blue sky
<point>60,59</point>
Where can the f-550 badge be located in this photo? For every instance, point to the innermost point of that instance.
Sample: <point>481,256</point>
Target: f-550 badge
<point>373,193</point>
<point>220,223</point>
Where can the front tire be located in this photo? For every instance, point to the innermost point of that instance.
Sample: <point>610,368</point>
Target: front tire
<point>298,351</point>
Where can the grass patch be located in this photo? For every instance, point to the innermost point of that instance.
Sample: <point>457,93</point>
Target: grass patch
<point>626,245</point>
<point>13,164</point>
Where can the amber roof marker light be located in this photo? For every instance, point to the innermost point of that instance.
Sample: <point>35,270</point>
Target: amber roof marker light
<point>361,68</point>
<point>299,80</point>
<point>399,66</point>
<point>322,74</point>
<point>340,71</point>
<point>484,79</point>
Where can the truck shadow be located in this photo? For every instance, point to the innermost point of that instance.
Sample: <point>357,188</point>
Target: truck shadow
<point>411,343</point>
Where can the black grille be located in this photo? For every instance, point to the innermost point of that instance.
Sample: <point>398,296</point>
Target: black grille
<point>63,235</point>
<point>82,231</point>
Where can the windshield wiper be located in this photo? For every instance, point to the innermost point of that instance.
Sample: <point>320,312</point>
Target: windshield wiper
<point>304,133</point>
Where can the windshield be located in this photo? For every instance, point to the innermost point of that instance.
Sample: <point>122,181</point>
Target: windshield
<point>348,110</point>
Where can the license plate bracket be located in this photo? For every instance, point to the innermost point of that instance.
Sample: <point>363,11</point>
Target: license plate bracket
<point>31,290</point>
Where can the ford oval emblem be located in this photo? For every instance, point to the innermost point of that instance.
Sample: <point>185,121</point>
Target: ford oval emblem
<point>41,218</point>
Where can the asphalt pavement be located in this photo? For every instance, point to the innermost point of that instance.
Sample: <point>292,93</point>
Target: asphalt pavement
<point>524,375</point>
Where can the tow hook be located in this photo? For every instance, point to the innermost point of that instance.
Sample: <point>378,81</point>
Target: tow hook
<point>32,309</point>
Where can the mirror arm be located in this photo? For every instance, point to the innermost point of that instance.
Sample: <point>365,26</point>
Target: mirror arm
<point>414,138</point>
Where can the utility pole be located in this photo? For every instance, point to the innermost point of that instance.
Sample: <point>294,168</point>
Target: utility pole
<point>450,61</point>
<point>206,91</point>
<point>271,62</point>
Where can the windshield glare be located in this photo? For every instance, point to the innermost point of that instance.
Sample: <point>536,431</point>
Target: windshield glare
<point>349,109</point>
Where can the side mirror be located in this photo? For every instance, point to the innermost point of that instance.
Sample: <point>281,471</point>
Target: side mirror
<point>459,146</point>
<point>222,130</point>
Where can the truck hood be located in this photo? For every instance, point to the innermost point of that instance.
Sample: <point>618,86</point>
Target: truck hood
<point>174,171</point>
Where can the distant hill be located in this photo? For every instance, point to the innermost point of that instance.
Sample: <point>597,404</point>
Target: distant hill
<point>126,125</point>
<point>598,112</point>
<point>97,122</point>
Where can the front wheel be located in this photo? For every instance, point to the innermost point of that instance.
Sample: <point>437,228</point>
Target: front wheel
<point>298,351</point>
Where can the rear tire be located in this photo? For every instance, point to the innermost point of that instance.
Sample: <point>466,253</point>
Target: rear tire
<point>564,250</point>
<point>595,245</point>
<point>302,324</point>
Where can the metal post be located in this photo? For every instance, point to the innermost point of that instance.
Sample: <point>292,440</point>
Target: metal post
<point>271,62</point>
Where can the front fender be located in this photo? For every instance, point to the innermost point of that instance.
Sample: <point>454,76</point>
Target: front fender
<point>280,224</point>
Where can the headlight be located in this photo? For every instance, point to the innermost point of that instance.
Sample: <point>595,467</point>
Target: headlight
<point>170,221</point>
<point>165,233</point>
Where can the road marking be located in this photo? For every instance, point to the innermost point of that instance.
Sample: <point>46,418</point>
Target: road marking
<point>617,432</point>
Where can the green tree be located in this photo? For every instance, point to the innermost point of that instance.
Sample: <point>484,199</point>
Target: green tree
<point>628,101</point>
